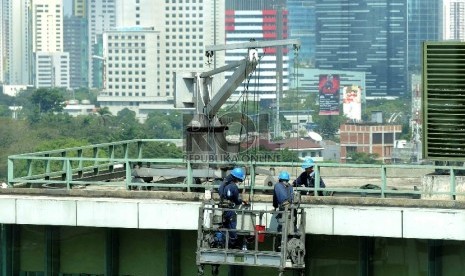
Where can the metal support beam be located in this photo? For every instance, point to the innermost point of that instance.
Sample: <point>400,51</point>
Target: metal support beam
<point>111,251</point>
<point>366,255</point>
<point>9,261</point>
<point>173,249</point>
<point>221,69</point>
<point>52,250</point>
<point>253,44</point>
<point>434,258</point>
<point>229,87</point>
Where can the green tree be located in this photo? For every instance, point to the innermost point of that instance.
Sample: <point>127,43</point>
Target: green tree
<point>47,100</point>
<point>84,93</point>
<point>104,113</point>
<point>4,111</point>
<point>328,125</point>
<point>162,125</point>
<point>363,158</point>
<point>128,127</point>
<point>162,150</point>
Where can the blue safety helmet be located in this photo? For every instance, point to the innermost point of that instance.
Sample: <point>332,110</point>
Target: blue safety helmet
<point>238,173</point>
<point>284,176</point>
<point>308,163</point>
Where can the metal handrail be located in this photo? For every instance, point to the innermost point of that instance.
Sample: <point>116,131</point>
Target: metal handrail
<point>87,165</point>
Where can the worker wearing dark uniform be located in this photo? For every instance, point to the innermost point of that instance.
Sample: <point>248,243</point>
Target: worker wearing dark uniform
<point>307,178</point>
<point>230,198</point>
<point>283,195</point>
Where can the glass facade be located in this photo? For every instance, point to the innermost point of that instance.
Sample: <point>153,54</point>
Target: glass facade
<point>75,43</point>
<point>368,35</point>
<point>423,25</point>
<point>302,20</point>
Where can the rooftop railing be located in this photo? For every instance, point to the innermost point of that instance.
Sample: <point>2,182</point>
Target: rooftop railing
<point>133,165</point>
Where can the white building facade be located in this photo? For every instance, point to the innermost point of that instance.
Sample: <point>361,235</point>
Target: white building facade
<point>184,28</point>
<point>16,47</point>
<point>52,69</point>
<point>47,25</point>
<point>454,20</point>
<point>131,68</point>
<point>101,17</point>
<point>51,63</point>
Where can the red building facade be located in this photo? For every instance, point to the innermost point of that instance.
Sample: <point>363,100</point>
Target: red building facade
<point>372,139</point>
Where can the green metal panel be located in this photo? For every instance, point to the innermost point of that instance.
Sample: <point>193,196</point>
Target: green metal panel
<point>173,251</point>
<point>52,250</point>
<point>9,253</point>
<point>434,257</point>
<point>111,251</point>
<point>444,101</point>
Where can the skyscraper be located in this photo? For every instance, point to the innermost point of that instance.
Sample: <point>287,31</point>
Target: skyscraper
<point>365,35</point>
<point>177,30</point>
<point>185,27</point>
<point>302,21</point>
<point>52,69</point>
<point>131,68</point>
<point>423,25</point>
<point>79,8</point>
<point>259,20</point>
<point>4,23</point>
<point>454,20</point>
<point>47,26</point>
<point>76,44</point>
<point>51,63</point>
<point>16,37</point>
<point>101,16</point>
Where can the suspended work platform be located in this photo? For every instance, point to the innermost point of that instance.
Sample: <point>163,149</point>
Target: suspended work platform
<point>259,242</point>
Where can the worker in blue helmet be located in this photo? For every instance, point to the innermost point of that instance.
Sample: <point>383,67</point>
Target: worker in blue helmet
<point>283,196</point>
<point>230,198</point>
<point>307,177</point>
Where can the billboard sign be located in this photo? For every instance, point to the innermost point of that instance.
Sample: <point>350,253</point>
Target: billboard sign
<point>329,94</point>
<point>352,102</point>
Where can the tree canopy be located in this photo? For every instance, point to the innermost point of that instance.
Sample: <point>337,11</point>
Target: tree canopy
<point>47,100</point>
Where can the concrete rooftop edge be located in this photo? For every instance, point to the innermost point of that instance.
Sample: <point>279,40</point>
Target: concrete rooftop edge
<point>262,198</point>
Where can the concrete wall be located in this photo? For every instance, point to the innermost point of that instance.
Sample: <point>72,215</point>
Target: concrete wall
<point>331,217</point>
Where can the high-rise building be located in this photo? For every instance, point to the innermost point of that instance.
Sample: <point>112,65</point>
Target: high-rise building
<point>454,20</point>
<point>423,25</point>
<point>79,8</point>
<point>76,44</point>
<point>185,28</point>
<point>365,35</point>
<point>2,47</point>
<point>16,45</point>
<point>101,16</point>
<point>51,63</point>
<point>47,26</point>
<point>131,68</point>
<point>52,69</point>
<point>302,22</point>
<point>259,20</point>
